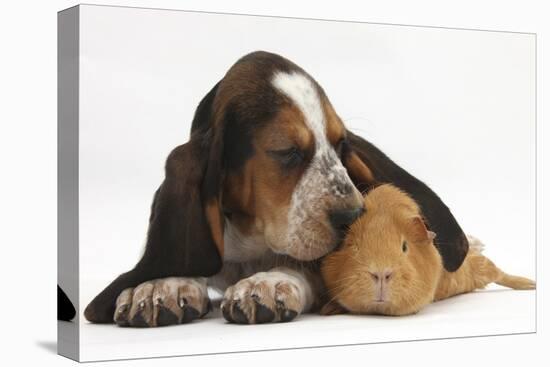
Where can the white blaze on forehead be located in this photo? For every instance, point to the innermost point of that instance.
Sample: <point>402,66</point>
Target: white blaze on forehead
<point>325,182</point>
<point>304,94</point>
<point>301,90</point>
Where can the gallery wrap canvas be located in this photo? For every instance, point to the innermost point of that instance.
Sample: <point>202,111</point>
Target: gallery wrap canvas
<point>453,108</point>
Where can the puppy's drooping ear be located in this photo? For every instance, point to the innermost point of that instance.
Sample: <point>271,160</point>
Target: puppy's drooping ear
<point>185,235</point>
<point>360,174</point>
<point>451,241</point>
<point>358,171</point>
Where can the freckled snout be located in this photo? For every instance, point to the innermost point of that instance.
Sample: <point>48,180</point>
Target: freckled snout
<point>341,219</point>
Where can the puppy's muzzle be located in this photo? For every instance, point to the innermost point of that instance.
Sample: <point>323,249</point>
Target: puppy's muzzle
<point>343,218</point>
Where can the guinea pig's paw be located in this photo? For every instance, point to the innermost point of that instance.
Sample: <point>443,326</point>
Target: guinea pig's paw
<point>273,296</point>
<point>163,302</point>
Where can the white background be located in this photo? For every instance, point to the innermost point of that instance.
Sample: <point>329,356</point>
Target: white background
<point>31,138</point>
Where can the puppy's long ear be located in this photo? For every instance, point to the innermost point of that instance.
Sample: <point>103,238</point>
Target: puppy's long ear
<point>185,235</point>
<point>451,241</point>
<point>358,170</point>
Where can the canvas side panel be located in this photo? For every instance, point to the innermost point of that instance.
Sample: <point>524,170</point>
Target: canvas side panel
<point>67,180</point>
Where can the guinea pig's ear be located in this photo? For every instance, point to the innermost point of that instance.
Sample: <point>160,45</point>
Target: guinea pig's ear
<point>419,231</point>
<point>332,308</point>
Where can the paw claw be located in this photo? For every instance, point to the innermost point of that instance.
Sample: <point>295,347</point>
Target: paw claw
<point>123,309</point>
<point>121,315</point>
<point>182,302</point>
<point>189,314</point>
<point>263,313</point>
<point>162,302</point>
<point>139,321</point>
<point>288,315</point>
<point>166,317</point>
<point>262,298</point>
<point>225,312</point>
<point>238,314</point>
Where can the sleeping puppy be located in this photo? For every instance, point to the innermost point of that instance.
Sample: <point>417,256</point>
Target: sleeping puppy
<point>389,265</point>
<point>265,187</point>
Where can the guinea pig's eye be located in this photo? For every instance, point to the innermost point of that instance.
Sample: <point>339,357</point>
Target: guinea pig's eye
<point>404,246</point>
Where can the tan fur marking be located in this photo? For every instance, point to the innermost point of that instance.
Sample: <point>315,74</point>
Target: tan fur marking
<point>335,127</point>
<point>213,215</point>
<point>359,171</point>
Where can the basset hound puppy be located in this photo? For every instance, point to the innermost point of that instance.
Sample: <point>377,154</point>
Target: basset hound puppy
<point>266,186</point>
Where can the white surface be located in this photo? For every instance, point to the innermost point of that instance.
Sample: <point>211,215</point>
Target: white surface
<point>455,108</point>
<point>487,312</point>
<point>28,120</point>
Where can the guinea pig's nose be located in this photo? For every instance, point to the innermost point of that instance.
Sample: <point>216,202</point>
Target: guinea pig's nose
<point>384,276</point>
<point>343,218</point>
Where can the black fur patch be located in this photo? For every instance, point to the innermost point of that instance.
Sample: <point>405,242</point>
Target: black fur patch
<point>65,309</point>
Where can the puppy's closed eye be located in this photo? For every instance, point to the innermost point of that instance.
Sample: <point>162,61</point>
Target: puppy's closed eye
<point>288,158</point>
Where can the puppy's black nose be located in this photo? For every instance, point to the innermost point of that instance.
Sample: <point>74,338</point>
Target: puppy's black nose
<point>340,219</point>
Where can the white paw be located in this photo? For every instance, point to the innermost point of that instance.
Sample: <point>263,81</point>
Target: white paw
<point>161,302</point>
<point>275,296</point>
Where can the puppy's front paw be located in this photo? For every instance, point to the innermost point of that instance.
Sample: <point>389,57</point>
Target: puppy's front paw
<point>162,302</point>
<point>265,297</point>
